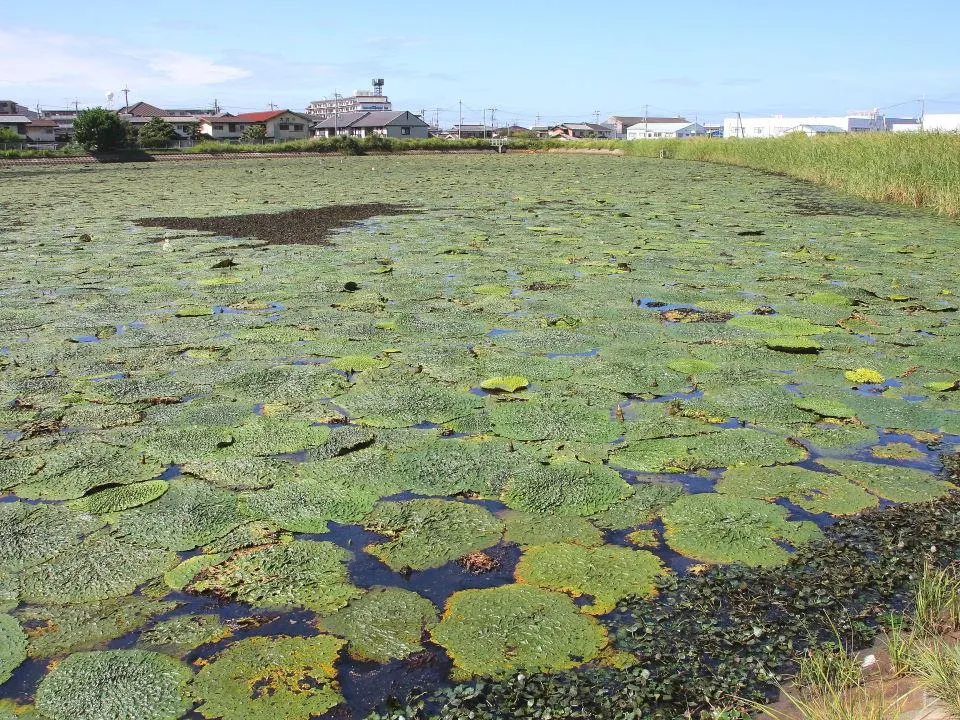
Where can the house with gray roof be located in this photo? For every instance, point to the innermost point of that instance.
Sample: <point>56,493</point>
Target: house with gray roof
<point>402,125</point>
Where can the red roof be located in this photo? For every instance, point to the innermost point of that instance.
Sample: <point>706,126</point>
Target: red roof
<point>41,123</point>
<point>257,117</point>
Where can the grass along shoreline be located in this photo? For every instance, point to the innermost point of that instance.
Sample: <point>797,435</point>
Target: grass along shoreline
<point>922,170</point>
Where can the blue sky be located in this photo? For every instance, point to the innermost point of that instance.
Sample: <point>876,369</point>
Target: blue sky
<point>559,60</point>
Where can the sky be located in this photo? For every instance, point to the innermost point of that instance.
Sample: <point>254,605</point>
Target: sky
<point>532,61</point>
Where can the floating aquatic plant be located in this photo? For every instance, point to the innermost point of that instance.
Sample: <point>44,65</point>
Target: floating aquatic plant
<point>394,401</point>
<point>383,624</point>
<point>183,633</point>
<point>564,488</point>
<point>13,646</point>
<point>430,533</point>
<point>31,534</point>
<point>814,491</point>
<point>62,629</point>
<point>122,497</point>
<point>899,484</point>
<point>607,574</point>
<point>554,419</point>
<point>270,678</point>
<point>448,467</point>
<point>114,684</point>
<point>295,574</point>
<point>721,529</point>
<point>512,628</point>
<point>531,528</point>
<point>306,505</point>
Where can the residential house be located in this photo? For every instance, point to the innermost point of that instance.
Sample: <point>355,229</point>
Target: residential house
<point>466,132</point>
<point>280,125</point>
<point>10,107</point>
<point>34,130</point>
<point>620,123</point>
<point>645,131</point>
<point>404,125</point>
<point>64,121</point>
<point>578,131</point>
<point>778,125</point>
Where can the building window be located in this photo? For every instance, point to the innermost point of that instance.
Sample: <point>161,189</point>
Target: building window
<point>233,127</point>
<point>298,127</point>
<point>284,126</point>
<point>404,131</point>
<point>218,127</point>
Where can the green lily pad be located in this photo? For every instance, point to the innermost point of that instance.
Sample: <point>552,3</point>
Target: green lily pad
<point>721,529</point>
<point>31,534</point>
<point>608,573</point>
<point>897,451</point>
<point>729,448</point>
<point>777,325</point>
<point>554,419</point>
<point>99,568</point>
<point>275,435</point>
<point>295,574</point>
<point>114,684</point>
<point>564,488</point>
<point>814,491</point>
<point>62,629</point>
<point>13,646</point>
<point>183,633</point>
<point>430,533</point>
<point>510,383</point>
<point>122,497</point>
<point>515,628</point>
<point>825,406</point>
<point>794,344</point>
<point>359,363</point>
<point>188,515</point>
<point>691,366</point>
<point>78,468</point>
<point>306,505</point>
<point>894,483</point>
<point>448,467</point>
<point>383,624</point>
<point>525,528</point>
<point>641,506</point>
<point>397,401</point>
<point>864,376</point>
<point>270,678</point>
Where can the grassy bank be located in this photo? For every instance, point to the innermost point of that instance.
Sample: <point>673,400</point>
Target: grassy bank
<point>912,169</point>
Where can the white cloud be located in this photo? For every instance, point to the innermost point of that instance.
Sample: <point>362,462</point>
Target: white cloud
<point>33,58</point>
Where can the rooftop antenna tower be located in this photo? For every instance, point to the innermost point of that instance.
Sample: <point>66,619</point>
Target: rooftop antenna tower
<point>378,87</point>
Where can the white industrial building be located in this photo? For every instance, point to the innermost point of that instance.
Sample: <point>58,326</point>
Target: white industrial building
<point>941,122</point>
<point>780,125</point>
<point>647,131</point>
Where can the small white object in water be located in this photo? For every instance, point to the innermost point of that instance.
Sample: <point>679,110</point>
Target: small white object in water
<point>869,661</point>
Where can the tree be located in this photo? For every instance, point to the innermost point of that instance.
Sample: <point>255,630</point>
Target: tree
<point>157,133</point>
<point>9,136</point>
<point>254,133</point>
<point>99,129</point>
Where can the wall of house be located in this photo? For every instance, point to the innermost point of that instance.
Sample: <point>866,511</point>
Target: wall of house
<point>41,134</point>
<point>284,128</point>
<point>224,132</point>
<point>415,132</point>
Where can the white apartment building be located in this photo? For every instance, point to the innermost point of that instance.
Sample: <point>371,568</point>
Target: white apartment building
<point>361,101</point>
<point>780,125</point>
<point>941,122</point>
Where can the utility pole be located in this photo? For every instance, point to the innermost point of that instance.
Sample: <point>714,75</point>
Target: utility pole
<point>646,112</point>
<point>493,123</point>
<point>923,110</point>
<point>460,125</point>
<point>126,96</point>
<point>483,127</point>
<point>216,107</point>
<point>537,123</point>
<point>596,117</point>
<point>436,117</point>
<point>336,114</point>
<point>76,106</point>
<point>740,132</point>
<point>271,105</point>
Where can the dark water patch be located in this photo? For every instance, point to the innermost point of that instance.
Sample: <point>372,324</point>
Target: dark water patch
<point>368,685</point>
<point>798,513</point>
<point>307,226</point>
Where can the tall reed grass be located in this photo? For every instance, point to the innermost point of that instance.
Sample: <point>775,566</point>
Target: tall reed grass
<point>919,169</point>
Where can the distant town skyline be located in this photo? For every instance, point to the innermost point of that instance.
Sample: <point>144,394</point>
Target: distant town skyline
<point>561,61</point>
